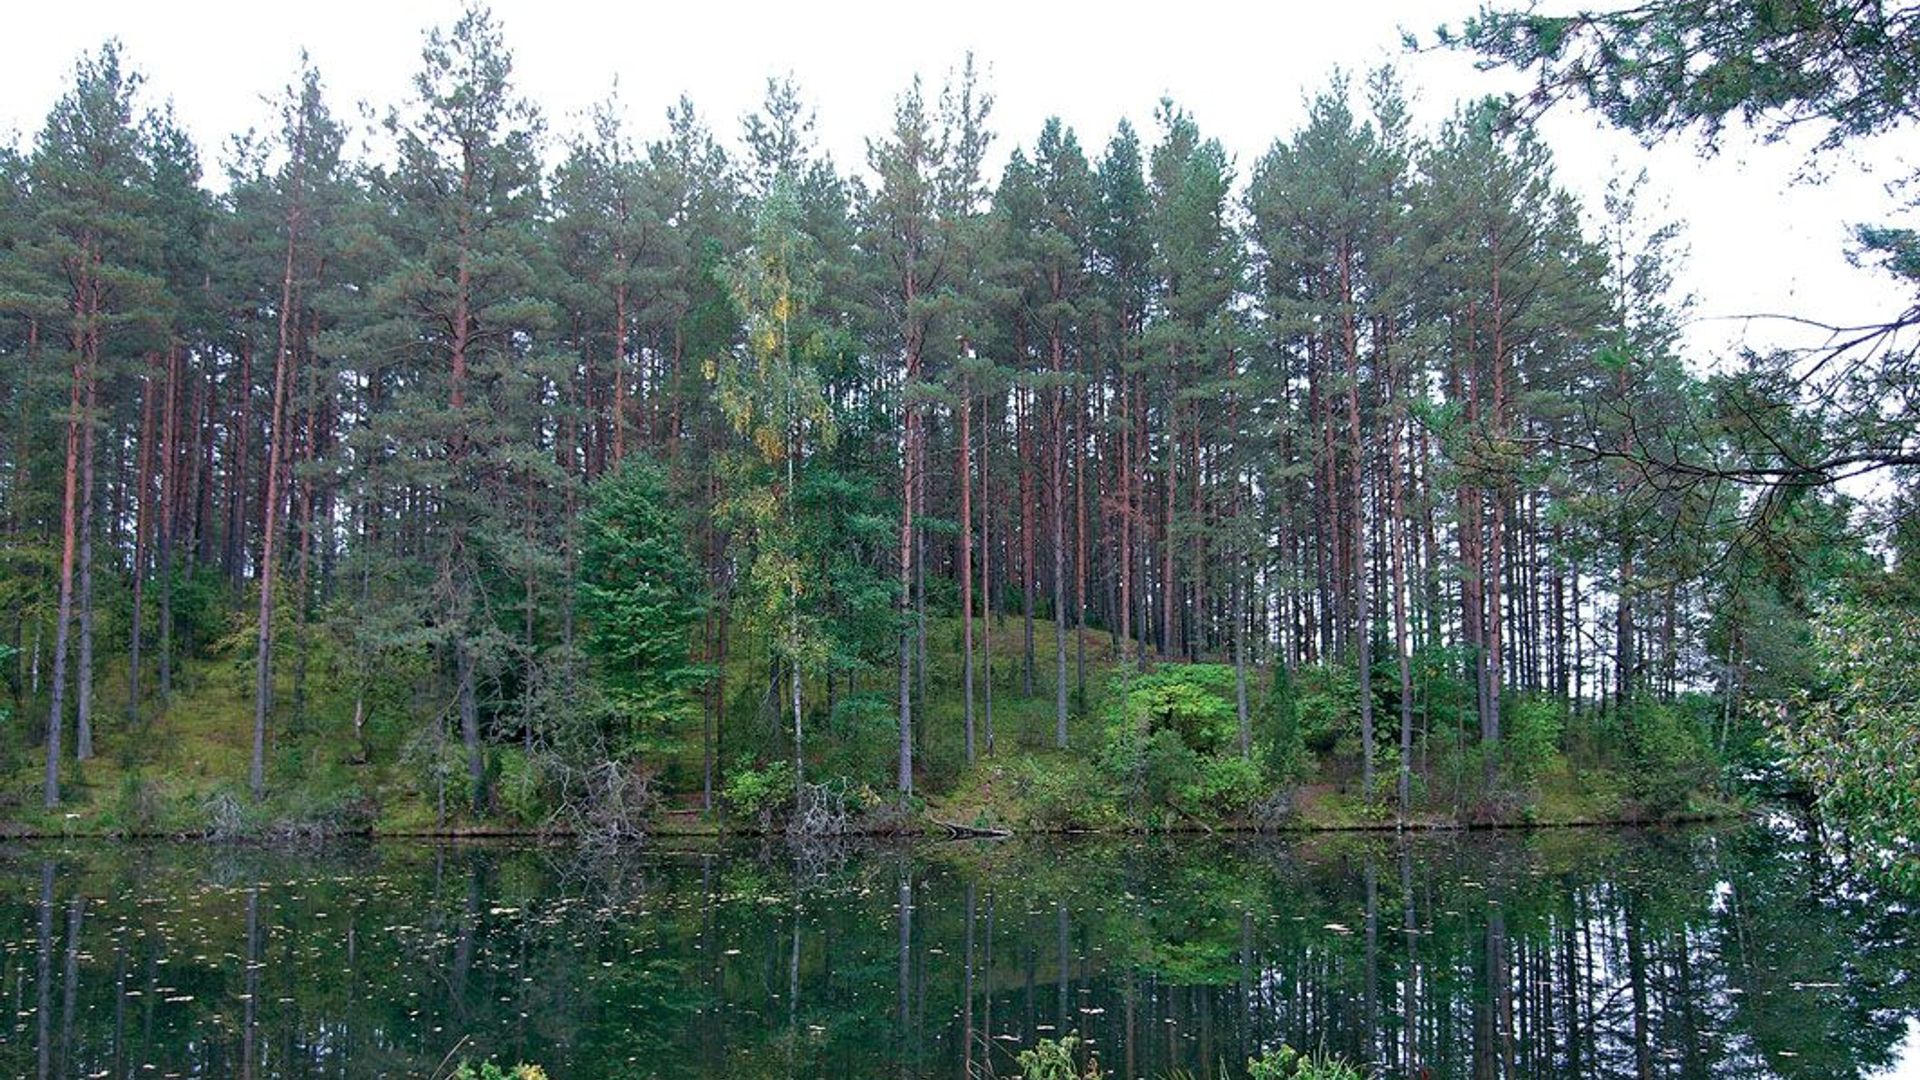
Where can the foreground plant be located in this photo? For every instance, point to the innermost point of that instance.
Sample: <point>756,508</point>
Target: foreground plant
<point>1287,1063</point>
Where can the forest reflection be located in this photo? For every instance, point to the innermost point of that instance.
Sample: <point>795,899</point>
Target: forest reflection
<point>1719,952</point>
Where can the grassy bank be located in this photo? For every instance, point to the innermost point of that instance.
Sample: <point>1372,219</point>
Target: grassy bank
<point>181,770</point>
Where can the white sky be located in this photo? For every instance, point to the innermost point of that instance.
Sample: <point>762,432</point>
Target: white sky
<point>1758,241</point>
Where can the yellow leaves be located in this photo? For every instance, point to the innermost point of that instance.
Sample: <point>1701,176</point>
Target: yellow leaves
<point>783,307</point>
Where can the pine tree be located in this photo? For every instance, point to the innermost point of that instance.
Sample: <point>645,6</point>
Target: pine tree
<point>639,592</point>
<point>89,245</point>
<point>466,194</point>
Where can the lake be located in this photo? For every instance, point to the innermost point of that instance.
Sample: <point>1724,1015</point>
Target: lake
<point>1731,951</point>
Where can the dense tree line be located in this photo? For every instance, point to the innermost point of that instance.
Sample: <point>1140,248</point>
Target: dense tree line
<point>551,456</point>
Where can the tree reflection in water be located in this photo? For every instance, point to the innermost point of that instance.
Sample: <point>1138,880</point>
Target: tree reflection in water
<point>1730,952</point>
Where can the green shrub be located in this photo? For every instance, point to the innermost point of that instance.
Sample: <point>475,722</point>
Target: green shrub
<point>1282,747</point>
<point>1329,706</point>
<point>1530,737</point>
<point>520,785</point>
<point>1225,787</point>
<point>1196,701</point>
<point>1169,767</point>
<point>1059,1059</point>
<point>1058,796</point>
<point>859,739</point>
<point>139,805</point>
<point>1852,740</point>
<point>487,1070</point>
<point>1386,775</point>
<point>758,793</point>
<point>437,766</point>
<point>1287,1063</point>
<point>1669,754</point>
<point>1172,742</point>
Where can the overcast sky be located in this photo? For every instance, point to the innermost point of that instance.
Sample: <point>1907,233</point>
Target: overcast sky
<point>1758,240</point>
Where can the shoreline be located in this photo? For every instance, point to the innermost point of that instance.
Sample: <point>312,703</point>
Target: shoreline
<point>10,831</point>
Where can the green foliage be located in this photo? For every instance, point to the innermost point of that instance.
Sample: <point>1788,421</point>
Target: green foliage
<point>139,806</point>
<point>1060,795</point>
<point>200,605</point>
<point>1065,1058</point>
<point>487,1070</point>
<point>1530,737</point>
<point>857,739</point>
<point>435,767</point>
<point>8,676</point>
<point>638,600</point>
<point>758,793</point>
<point>1287,1063</point>
<point>1328,699</point>
<point>1226,787</point>
<point>1853,738</point>
<point>1282,744</point>
<point>1168,769</point>
<point>1668,753</point>
<point>1170,739</point>
<point>1672,65</point>
<point>519,783</point>
<point>1193,701</point>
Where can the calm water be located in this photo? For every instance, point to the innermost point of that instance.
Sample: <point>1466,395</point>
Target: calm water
<point>1724,952</point>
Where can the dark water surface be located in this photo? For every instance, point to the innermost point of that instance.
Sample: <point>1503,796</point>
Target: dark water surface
<point>1723,952</point>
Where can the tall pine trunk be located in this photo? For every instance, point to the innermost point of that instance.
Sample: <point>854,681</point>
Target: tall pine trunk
<point>903,777</point>
<point>1358,539</point>
<point>169,501</point>
<point>83,676</point>
<point>69,528</point>
<point>1398,551</point>
<point>966,566</point>
<point>270,510</point>
<point>986,579</point>
<point>143,514</point>
<point>1056,482</point>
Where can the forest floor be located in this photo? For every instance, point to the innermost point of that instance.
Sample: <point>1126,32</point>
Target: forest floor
<point>181,771</point>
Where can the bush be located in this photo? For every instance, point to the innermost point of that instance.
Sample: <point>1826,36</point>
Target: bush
<point>1195,701</point>
<point>1282,747</point>
<point>759,794</point>
<point>519,785</point>
<point>437,766</point>
<point>1169,767</point>
<point>858,739</point>
<point>1058,1059</point>
<point>1669,754</point>
<point>1853,740</point>
<point>487,1070</point>
<point>1530,739</point>
<point>228,817</point>
<point>1226,787</point>
<point>1329,706</point>
<point>1058,796</point>
<point>139,809</point>
<point>1172,741</point>
<point>1287,1063</point>
<point>1386,775</point>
